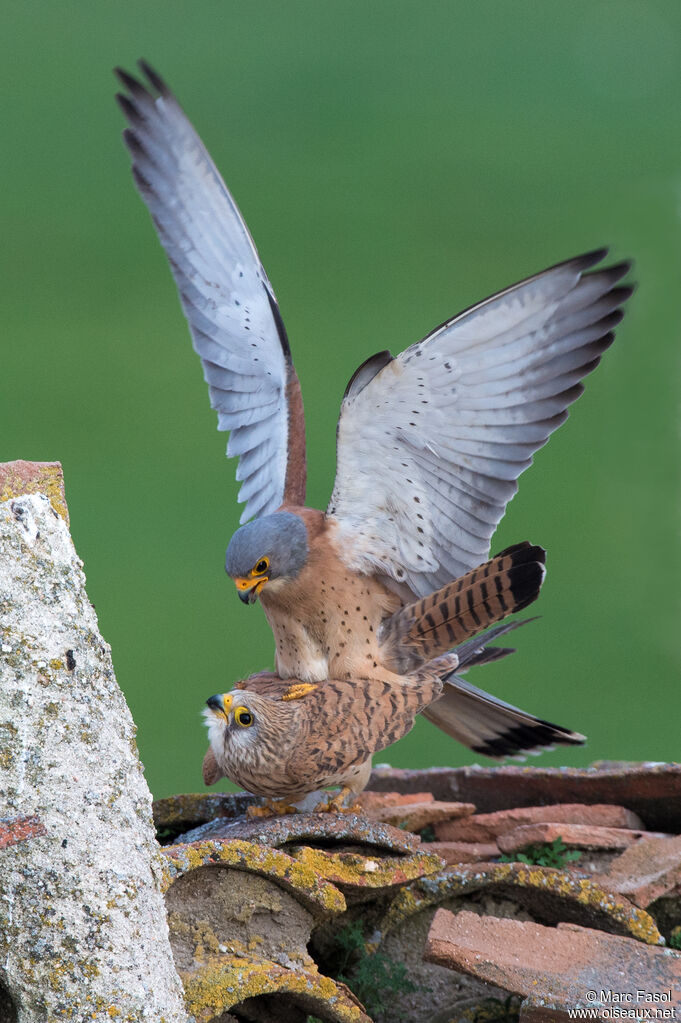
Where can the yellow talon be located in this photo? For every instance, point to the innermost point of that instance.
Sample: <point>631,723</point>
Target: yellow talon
<point>297,691</point>
<point>335,805</point>
<point>272,808</point>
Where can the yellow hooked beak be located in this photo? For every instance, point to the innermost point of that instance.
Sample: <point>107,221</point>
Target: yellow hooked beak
<point>221,704</point>
<point>249,587</point>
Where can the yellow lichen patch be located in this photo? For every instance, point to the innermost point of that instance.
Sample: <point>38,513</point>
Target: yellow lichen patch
<point>587,893</point>
<point>361,871</point>
<point>308,886</point>
<point>206,943</point>
<point>19,478</point>
<point>229,980</point>
<point>296,692</point>
<point>429,891</point>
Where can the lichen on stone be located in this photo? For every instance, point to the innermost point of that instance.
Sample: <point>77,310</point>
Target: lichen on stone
<point>357,870</point>
<point>228,981</point>
<point>313,891</point>
<point>573,898</point>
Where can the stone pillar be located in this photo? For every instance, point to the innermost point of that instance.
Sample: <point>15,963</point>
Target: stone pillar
<point>83,929</point>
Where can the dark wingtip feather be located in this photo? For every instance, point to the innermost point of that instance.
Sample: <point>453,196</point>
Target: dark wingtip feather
<point>129,108</point>
<point>569,396</point>
<point>153,77</point>
<point>619,270</point>
<point>589,259</point>
<point>141,181</point>
<point>130,82</point>
<point>132,141</point>
<point>624,292</point>
<point>121,74</point>
<point>589,367</point>
<point>366,372</point>
<point>611,320</point>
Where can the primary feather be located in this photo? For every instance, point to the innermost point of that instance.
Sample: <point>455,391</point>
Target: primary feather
<point>229,303</point>
<point>431,444</point>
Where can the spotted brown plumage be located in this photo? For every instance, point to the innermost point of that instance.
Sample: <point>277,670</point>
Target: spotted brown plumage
<point>283,739</point>
<point>324,738</point>
<point>421,631</point>
<point>430,442</point>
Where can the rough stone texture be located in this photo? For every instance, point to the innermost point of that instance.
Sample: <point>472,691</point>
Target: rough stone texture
<point>82,922</point>
<point>241,916</point>
<point>567,961</point>
<point>486,827</point>
<point>362,876</point>
<point>178,814</point>
<point>330,828</point>
<point>250,982</point>
<point>394,887</point>
<point>577,836</point>
<point>551,896</point>
<point>647,871</point>
<point>653,791</point>
<point>18,829</point>
<point>19,478</point>
<point>531,1012</point>
<point>310,888</point>
<point>463,852</point>
<point>217,910</point>
<point>414,816</point>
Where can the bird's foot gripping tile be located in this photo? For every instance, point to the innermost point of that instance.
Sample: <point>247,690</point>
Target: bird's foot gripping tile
<point>338,803</point>
<point>271,808</point>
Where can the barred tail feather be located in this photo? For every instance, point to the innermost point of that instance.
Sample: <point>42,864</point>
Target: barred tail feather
<point>427,628</point>
<point>492,727</point>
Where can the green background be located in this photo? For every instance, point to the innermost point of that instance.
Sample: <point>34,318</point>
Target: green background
<point>395,162</point>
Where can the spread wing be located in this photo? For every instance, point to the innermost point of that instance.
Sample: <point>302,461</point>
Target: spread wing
<point>431,443</point>
<point>233,315</point>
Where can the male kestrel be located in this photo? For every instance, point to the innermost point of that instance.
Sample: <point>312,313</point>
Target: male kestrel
<point>284,739</point>
<point>430,443</point>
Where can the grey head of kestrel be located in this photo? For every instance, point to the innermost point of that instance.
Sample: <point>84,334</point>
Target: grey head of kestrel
<point>266,550</point>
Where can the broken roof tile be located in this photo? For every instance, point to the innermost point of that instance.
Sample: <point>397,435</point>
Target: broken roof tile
<point>651,790</point>
<point>562,968</point>
<point>577,836</point>
<point>485,827</point>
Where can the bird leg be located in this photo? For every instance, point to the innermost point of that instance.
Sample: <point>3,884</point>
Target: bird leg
<point>271,808</point>
<point>336,804</point>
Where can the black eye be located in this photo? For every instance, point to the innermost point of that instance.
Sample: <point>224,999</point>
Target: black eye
<point>262,566</point>
<point>243,717</point>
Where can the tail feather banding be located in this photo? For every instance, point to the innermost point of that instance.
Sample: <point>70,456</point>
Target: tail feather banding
<point>492,727</point>
<point>427,628</point>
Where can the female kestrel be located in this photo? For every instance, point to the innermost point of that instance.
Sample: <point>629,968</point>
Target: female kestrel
<point>283,739</point>
<point>430,443</point>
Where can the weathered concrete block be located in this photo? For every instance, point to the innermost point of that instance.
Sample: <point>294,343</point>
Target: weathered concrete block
<point>83,932</point>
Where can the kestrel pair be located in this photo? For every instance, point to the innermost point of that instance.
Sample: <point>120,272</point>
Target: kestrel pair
<point>430,443</point>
